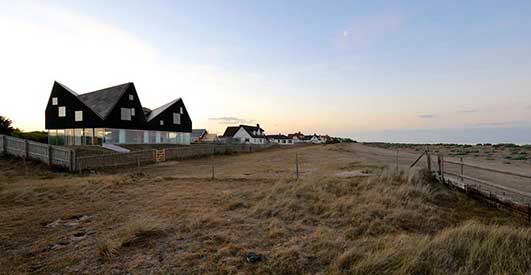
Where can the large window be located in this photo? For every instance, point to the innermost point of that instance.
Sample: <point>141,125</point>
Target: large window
<point>89,136</point>
<point>79,115</point>
<point>125,114</point>
<point>62,111</point>
<point>98,136</point>
<point>69,136</point>
<point>60,137</point>
<point>176,118</point>
<point>78,136</point>
<point>52,137</point>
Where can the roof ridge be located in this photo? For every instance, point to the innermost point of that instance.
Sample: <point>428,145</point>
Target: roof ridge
<point>121,94</point>
<point>106,113</point>
<point>155,112</point>
<point>67,88</point>
<point>123,84</point>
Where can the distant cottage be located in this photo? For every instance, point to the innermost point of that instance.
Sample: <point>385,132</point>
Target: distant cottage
<point>245,134</point>
<point>113,115</point>
<point>280,139</point>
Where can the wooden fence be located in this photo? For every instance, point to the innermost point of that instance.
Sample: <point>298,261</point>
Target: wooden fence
<point>65,157</point>
<point>462,177</point>
<point>48,154</point>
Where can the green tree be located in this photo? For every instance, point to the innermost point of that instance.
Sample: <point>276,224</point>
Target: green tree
<point>5,126</point>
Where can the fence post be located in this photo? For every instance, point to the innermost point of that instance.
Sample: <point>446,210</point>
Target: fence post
<point>212,162</point>
<point>529,214</point>
<point>442,169</point>
<point>462,170</point>
<point>297,165</point>
<point>26,149</point>
<point>428,158</point>
<point>4,145</point>
<point>397,160</point>
<point>50,157</point>
<point>138,161</point>
<point>71,160</point>
<point>439,164</point>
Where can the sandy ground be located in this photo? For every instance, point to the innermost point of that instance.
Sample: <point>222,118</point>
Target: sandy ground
<point>407,156</point>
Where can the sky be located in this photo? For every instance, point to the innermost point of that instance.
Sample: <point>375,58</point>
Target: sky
<point>403,71</point>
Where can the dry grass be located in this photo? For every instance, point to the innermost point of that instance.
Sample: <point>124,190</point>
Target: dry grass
<point>397,222</point>
<point>471,248</point>
<point>135,230</point>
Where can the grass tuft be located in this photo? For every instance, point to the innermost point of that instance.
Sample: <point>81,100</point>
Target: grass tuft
<point>133,231</point>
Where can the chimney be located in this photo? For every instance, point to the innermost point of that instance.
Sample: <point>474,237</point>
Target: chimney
<point>258,126</point>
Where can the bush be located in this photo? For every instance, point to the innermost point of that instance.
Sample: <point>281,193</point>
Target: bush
<point>38,136</point>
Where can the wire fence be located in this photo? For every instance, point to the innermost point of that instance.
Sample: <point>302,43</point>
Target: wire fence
<point>142,157</point>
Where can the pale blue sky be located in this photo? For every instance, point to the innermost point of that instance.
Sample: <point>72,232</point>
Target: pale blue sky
<point>354,68</point>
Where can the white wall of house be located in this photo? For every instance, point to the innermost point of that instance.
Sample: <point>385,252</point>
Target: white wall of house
<point>316,139</point>
<point>244,137</point>
<point>284,141</point>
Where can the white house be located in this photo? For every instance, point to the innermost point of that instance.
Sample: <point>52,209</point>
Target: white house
<point>315,139</point>
<point>280,139</point>
<point>245,134</point>
<point>296,137</point>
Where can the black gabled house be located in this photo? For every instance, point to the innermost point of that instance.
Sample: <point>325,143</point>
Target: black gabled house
<point>113,115</point>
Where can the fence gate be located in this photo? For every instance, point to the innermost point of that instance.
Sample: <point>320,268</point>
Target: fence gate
<point>160,155</point>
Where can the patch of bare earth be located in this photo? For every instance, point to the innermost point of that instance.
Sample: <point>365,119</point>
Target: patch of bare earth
<point>252,218</point>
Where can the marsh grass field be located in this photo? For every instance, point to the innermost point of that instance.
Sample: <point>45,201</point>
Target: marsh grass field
<point>346,214</point>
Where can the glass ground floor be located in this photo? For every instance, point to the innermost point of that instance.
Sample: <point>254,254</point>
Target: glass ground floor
<point>100,136</point>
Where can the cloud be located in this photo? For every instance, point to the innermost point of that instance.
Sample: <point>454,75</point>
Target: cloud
<point>490,124</point>
<point>469,111</point>
<point>230,120</point>
<point>427,116</point>
<point>503,123</point>
<point>528,107</point>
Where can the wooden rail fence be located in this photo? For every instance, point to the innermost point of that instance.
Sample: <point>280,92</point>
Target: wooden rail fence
<point>66,157</point>
<point>495,193</point>
<point>48,154</point>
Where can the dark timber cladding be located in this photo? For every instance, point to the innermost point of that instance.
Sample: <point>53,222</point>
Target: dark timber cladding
<point>103,109</point>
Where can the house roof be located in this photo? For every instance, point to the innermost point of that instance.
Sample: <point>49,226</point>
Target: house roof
<point>66,88</point>
<point>231,131</point>
<point>279,136</point>
<point>298,135</point>
<point>154,113</point>
<point>103,101</point>
<point>146,111</point>
<point>198,133</point>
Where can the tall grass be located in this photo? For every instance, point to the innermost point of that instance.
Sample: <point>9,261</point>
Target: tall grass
<point>397,222</point>
<point>136,229</point>
<point>471,248</point>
